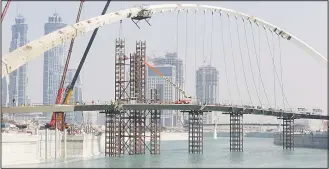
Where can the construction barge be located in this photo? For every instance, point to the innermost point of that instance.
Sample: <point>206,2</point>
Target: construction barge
<point>318,140</point>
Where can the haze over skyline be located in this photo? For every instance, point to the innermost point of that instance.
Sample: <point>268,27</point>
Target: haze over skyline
<point>305,82</point>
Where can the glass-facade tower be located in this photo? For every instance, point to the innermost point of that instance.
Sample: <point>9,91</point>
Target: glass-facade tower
<point>53,63</point>
<point>17,87</point>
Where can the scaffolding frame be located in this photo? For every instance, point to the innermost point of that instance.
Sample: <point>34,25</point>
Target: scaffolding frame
<point>236,131</point>
<point>288,141</point>
<point>112,133</point>
<point>195,131</point>
<point>154,126</point>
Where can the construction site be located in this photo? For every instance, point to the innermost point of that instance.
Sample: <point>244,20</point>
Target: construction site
<point>125,130</point>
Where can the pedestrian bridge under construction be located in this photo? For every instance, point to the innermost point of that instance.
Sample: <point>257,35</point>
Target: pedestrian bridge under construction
<point>153,106</point>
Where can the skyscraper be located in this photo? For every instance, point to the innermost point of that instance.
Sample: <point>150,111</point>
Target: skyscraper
<point>74,117</point>
<point>172,59</point>
<point>206,88</point>
<point>17,87</point>
<point>53,63</point>
<point>165,90</point>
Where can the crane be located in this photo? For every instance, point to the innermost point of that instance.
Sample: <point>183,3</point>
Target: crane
<point>5,10</point>
<point>69,89</point>
<point>181,101</point>
<point>59,115</point>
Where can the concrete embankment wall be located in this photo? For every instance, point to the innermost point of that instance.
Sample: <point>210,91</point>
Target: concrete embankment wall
<point>27,149</point>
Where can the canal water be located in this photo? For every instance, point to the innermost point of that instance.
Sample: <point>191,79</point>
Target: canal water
<point>258,152</point>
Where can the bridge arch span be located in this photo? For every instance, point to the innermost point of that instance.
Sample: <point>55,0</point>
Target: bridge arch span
<point>36,48</point>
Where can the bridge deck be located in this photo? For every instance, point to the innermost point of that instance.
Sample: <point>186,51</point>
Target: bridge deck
<point>215,108</point>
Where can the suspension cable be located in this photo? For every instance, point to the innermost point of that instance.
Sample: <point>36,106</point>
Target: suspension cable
<point>186,38</point>
<point>248,52</point>
<point>259,44</point>
<point>195,45</point>
<point>258,62</point>
<point>281,68</point>
<point>177,34</point>
<point>232,55</point>
<point>273,61</point>
<point>211,34</point>
<point>204,60</point>
<point>268,43</point>
<point>245,78</point>
<point>227,82</point>
<point>120,30</point>
<point>204,37</point>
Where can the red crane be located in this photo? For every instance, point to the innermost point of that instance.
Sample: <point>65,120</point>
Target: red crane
<point>5,10</point>
<point>60,115</point>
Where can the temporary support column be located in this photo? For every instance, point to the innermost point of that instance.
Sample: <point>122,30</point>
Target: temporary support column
<point>155,127</point>
<point>125,132</point>
<point>112,133</point>
<point>137,95</point>
<point>236,131</point>
<point>121,96</point>
<point>288,132</point>
<point>195,129</point>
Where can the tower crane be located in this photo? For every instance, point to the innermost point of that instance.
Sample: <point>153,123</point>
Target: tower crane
<point>5,10</point>
<point>59,115</point>
<point>67,95</point>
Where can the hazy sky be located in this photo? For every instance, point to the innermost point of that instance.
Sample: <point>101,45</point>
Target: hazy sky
<point>304,81</point>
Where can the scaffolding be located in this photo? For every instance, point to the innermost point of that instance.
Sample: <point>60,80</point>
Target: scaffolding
<point>133,122</point>
<point>236,131</point>
<point>195,131</point>
<point>154,126</point>
<point>288,132</point>
<point>112,133</point>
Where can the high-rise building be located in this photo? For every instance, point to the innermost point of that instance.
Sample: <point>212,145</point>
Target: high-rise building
<point>77,116</point>
<point>166,92</point>
<point>17,87</point>
<point>172,59</point>
<point>53,63</point>
<point>206,88</point>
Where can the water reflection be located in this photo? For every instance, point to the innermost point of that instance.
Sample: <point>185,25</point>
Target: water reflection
<point>154,160</point>
<point>236,157</point>
<point>195,158</point>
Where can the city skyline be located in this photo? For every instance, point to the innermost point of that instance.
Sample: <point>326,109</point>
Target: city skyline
<point>297,95</point>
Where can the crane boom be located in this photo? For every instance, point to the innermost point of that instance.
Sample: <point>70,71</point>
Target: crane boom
<point>59,115</point>
<point>69,89</point>
<point>166,79</point>
<point>5,10</point>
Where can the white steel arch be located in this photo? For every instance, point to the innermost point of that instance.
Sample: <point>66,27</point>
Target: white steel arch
<point>36,48</point>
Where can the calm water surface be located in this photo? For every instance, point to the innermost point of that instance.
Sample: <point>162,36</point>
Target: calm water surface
<point>258,152</point>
